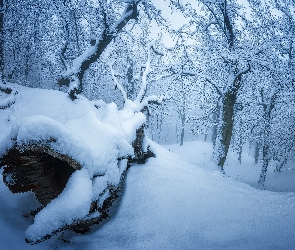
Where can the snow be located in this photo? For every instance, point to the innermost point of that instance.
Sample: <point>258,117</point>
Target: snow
<point>246,171</point>
<point>43,130</point>
<point>73,203</point>
<point>171,202</point>
<point>6,99</point>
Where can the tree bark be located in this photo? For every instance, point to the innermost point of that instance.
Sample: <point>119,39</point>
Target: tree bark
<point>1,40</point>
<point>140,154</point>
<point>227,123</point>
<point>216,114</point>
<point>264,168</point>
<point>39,170</point>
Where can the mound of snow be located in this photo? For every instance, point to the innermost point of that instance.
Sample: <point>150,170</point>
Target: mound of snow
<point>170,203</point>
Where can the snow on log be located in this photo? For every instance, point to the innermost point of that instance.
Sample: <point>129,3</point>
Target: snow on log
<point>72,155</point>
<point>74,177</point>
<point>9,98</point>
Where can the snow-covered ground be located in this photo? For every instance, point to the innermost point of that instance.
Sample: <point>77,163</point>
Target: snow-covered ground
<point>168,203</point>
<point>200,153</point>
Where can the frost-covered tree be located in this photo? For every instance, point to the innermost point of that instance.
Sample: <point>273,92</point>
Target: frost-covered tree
<point>62,41</point>
<point>273,82</point>
<point>138,103</point>
<point>226,61</point>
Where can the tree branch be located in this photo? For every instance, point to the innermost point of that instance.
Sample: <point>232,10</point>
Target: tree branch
<point>118,85</point>
<point>215,86</point>
<point>93,53</point>
<point>144,76</point>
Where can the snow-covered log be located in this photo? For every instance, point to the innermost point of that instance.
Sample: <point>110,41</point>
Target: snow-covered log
<point>75,191</point>
<point>74,166</point>
<point>75,161</point>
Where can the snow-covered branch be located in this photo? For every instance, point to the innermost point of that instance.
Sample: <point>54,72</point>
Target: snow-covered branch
<point>93,53</point>
<point>140,101</point>
<point>233,80</point>
<point>209,24</point>
<point>144,76</point>
<point>152,99</point>
<point>242,72</point>
<point>219,91</point>
<point>118,85</point>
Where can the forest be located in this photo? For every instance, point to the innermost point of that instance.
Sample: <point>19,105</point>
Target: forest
<point>100,84</point>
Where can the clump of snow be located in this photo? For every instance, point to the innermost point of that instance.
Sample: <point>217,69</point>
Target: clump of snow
<point>106,142</point>
<point>72,204</point>
<point>131,124</point>
<point>111,116</point>
<point>7,98</point>
<point>99,185</point>
<point>41,130</point>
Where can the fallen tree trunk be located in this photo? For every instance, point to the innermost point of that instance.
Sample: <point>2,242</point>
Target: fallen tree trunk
<point>40,170</point>
<point>44,165</point>
<point>46,172</point>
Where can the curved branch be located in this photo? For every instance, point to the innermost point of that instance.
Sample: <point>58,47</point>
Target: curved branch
<point>93,53</point>
<point>215,86</point>
<point>118,85</point>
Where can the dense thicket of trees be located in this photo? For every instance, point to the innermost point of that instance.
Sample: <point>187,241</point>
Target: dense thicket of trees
<point>228,76</point>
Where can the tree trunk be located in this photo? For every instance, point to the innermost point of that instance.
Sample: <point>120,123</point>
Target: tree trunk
<point>227,122</point>
<point>256,153</point>
<point>1,40</point>
<point>265,158</point>
<point>267,108</point>
<point>240,147</point>
<point>182,136</point>
<point>216,114</point>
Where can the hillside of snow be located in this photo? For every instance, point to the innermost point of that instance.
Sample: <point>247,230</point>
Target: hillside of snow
<point>168,203</point>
